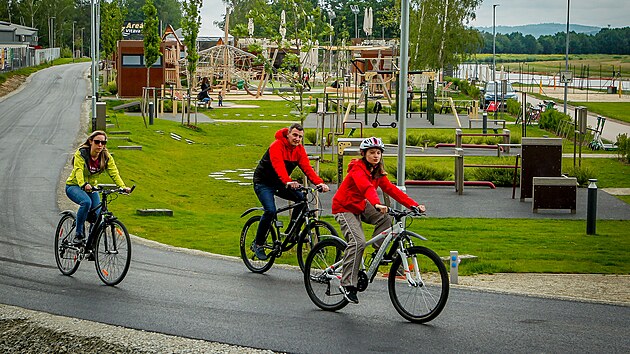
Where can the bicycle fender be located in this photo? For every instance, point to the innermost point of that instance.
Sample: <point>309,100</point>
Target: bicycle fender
<point>69,212</point>
<point>411,233</point>
<point>252,210</point>
<point>327,237</point>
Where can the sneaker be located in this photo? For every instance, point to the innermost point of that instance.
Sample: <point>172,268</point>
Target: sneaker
<point>259,251</point>
<point>78,240</point>
<point>350,293</point>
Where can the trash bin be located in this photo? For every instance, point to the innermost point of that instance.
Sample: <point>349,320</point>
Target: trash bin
<point>612,89</point>
<point>240,84</point>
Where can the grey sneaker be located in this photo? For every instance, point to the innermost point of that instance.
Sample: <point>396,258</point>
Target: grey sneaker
<point>78,240</point>
<point>350,293</point>
<point>259,251</point>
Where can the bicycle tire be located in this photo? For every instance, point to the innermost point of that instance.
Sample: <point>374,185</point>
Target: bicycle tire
<point>112,252</point>
<point>423,302</point>
<point>310,237</point>
<point>67,258</point>
<point>323,288</point>
<point>248,236</point>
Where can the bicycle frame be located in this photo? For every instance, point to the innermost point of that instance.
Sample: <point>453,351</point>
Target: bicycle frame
<point>304,216</point>
<point>396,233</point>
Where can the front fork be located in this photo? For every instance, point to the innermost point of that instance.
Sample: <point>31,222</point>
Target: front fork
<point>413,275</point>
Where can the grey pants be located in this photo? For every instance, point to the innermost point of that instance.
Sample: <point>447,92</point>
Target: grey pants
<point>352,230</point>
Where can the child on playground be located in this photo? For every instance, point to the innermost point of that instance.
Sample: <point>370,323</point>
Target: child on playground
<point>356,200</point>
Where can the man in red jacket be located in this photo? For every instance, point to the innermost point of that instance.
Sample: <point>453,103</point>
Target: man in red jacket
<point>356,200</point>
<point>273,177</point>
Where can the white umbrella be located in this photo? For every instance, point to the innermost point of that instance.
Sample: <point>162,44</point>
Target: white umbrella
<point>283,23</point>
<point>250,27</point>
<point>366,18</point>
<point>370,22</point>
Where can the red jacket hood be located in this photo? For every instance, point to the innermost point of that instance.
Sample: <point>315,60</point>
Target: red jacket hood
<point>282,136</point>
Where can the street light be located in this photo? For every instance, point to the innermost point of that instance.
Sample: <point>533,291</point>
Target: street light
<point>494,64</point>
<point>51,31</point>
<point>73,22</point>
<point>494,38</point>
<point>566,59</point>
<point>331,16</point>
<point>355,11</point>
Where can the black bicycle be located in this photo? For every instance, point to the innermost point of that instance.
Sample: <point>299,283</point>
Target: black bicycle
<point>277,242</point>
<point>108,243</point>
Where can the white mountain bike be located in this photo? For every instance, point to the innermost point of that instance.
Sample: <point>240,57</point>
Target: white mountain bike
<point>417,280</point>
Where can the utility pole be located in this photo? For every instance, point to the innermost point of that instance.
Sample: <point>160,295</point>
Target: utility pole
<point>355,11</point>
<point>566,59</point>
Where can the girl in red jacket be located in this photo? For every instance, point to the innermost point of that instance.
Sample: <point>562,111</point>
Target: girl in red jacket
<point>357,200</point>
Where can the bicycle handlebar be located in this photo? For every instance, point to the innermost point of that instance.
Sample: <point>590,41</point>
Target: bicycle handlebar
<point>110,191</point>
<point>401,213</point>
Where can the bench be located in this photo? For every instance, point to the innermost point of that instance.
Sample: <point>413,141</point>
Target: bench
<point>554,193</point>
<point>495,121</point>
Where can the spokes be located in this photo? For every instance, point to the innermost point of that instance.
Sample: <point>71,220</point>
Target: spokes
<point>323,275</point>
<point>420,290</point>
<point>113,253</point>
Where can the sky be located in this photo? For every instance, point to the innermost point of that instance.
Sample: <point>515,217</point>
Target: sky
<point>600,13</point>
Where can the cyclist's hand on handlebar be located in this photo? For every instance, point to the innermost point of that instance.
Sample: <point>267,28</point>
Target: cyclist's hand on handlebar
<point>293,185</point>
<point>381,208</point>
<point>87,187</point>
<point>419,209</point>
<point>127,190</point>
<point>323,187</point>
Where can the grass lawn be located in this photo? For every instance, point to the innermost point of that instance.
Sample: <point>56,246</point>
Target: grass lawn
<point>615,110</point>
<point>172,174</point>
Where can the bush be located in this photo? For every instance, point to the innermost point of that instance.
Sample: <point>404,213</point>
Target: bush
<point>550,119</point>
<point>582,174</point>
<point>501,177</point>
<point>329,176</point>
<point>112,87</point>
<point>623,147</point>
<point>422,173</point>
<point>310,137</point>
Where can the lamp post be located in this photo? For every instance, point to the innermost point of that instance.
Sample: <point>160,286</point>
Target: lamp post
<point>566,59</point>
<point>402,93</point>
<point>73,22</point>
<point>494,64</point>
<point>51,31</point>
<point>355,11</point>
<point>331,16</point>
<point>494,38</point>
<point>81,51</point>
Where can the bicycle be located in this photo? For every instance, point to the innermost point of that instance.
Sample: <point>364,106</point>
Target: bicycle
<point>278,242</point>
<point>417,282</point>
<point>108,243</point>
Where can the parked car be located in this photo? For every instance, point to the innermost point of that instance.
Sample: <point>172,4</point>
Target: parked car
<point>488,92</point>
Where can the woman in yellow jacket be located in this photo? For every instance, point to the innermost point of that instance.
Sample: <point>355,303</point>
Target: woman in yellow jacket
<point>90,160</point>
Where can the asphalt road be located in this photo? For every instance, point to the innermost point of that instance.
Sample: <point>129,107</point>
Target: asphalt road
<point>216,298</point>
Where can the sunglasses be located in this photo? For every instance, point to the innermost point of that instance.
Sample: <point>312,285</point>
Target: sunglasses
<point>100,142</point>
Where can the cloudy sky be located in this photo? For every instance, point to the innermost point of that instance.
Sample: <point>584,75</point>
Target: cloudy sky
<point>600,13</point>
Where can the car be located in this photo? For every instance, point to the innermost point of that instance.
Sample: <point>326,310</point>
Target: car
<point>489,91</point>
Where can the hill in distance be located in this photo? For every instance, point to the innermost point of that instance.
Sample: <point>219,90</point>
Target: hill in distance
<point>540,29</point>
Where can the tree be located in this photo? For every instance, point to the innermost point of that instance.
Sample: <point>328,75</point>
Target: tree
<point>112,15</point>
<point>168,11</point>
<point>151,36</point>
<point>440,33</point>
<point>191,22</point>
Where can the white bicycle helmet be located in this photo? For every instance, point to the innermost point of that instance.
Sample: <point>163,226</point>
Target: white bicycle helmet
<point>372,142</point>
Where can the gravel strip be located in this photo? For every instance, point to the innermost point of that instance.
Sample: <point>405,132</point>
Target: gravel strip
<point>27,331</point>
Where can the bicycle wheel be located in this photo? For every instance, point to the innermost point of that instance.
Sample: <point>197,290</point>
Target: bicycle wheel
<point>248,236</point>
<point>112,253</point>
<point>422,298</point>
<point>66,255</point>
<point>310,236</point>
<point>322,284</point>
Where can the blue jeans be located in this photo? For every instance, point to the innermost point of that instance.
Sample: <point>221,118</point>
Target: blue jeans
<point>85,200</point>
<point>266,195</point>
